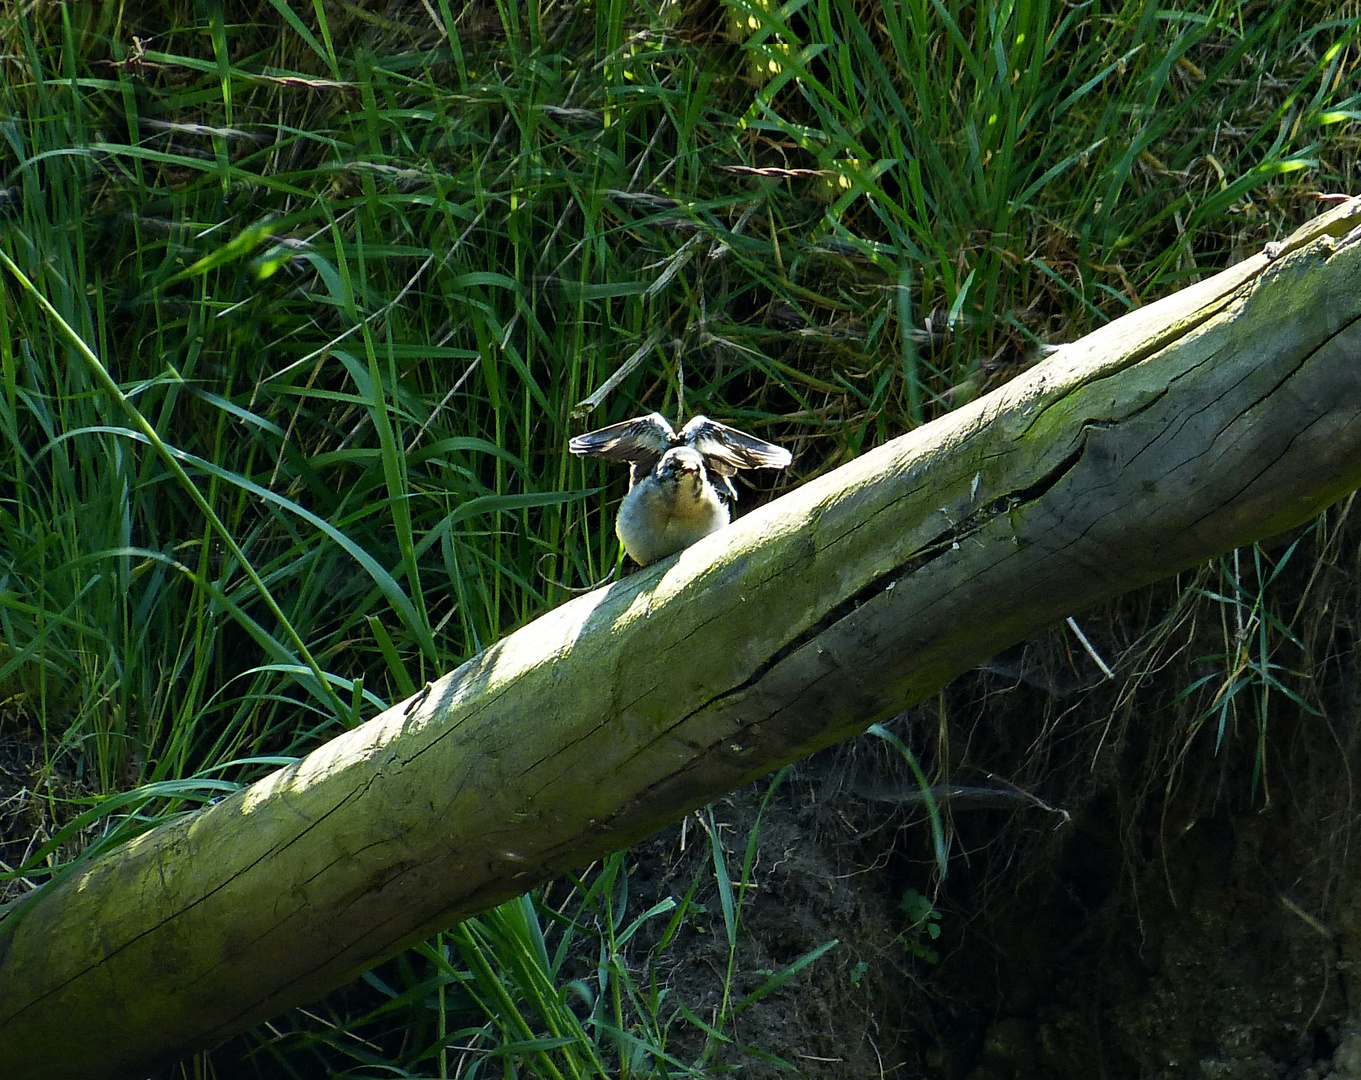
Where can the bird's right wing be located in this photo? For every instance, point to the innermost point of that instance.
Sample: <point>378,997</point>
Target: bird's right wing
<point>641,442</point>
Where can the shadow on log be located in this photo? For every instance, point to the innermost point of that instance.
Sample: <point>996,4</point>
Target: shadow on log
<point>1221,415</point>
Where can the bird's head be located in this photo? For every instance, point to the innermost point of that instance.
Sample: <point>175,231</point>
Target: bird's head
<point>682,463</point>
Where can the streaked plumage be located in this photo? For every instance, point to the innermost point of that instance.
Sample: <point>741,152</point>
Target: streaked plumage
<point>674,498</point>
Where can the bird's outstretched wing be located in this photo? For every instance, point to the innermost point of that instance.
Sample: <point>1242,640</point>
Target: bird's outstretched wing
<point>726,449</point>
<point>641,442</point>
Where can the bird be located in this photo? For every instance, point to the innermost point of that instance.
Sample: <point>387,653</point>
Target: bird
<point>680,487</point>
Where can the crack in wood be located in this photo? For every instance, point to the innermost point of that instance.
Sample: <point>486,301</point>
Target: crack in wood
<point>948,540</point>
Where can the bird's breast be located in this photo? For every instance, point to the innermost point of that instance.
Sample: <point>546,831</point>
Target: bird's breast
<point>659,518</point>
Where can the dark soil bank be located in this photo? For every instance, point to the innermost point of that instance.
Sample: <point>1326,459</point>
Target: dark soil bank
<point>1151,875</point>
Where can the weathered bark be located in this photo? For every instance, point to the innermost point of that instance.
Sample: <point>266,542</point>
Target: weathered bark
<point>1221,415</point>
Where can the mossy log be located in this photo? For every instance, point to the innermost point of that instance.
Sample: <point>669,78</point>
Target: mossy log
<point>1221,415</point>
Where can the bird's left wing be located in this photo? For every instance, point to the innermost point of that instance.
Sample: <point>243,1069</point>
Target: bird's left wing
<point>726,449</point>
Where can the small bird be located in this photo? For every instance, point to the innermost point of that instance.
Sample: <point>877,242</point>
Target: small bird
<point>679,486</point>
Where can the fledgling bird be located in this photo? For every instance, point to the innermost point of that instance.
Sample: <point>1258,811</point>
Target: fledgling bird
<point>679,484</point>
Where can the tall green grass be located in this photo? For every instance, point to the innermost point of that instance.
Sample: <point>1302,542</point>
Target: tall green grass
<point>357,274</point>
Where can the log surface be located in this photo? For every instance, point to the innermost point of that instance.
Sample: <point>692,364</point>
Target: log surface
<point>1221,415</point>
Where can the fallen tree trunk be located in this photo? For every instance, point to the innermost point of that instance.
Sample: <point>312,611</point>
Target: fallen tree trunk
<point>1216,417</point>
